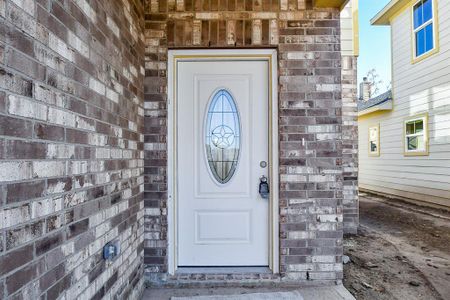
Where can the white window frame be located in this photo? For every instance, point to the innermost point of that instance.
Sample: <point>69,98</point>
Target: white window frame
<point>424,133</point>
<point>414,31</point>
<point>377,141</point>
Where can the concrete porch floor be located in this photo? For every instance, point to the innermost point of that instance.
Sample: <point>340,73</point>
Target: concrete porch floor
<point>337,292</point>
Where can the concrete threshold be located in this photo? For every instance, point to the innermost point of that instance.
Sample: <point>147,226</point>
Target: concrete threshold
<point>335,292</point>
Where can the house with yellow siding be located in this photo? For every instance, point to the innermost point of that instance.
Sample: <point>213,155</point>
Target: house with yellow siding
<point>404,134</point>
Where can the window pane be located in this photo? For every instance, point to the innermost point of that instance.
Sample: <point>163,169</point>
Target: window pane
<point>373,147</point>
<point>222,136</point>
<point>420,42</point>
<point>419,126</point>
<point>427,10</point>
<point>410,128</point>
<point>373,134</point>
<point>420,143</point>
<point>411,143</point>
<point>418,16</point>
<point>429,44</point>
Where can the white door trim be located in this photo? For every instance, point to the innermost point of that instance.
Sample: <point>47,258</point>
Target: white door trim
<point>176,56</point>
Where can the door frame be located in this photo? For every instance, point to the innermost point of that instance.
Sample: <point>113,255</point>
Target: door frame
<point>176,56</point>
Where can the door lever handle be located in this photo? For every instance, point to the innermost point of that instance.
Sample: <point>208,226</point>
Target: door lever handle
<point>264,187</point>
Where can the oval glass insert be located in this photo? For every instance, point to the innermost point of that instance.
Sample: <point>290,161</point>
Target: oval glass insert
<point>222,140</point>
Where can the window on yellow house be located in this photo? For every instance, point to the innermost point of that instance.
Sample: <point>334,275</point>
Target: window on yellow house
<point>423,31</point>
<point>416,136</point>
<point>374,140</point>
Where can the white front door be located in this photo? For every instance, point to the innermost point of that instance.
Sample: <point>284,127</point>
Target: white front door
<point>222,151</point>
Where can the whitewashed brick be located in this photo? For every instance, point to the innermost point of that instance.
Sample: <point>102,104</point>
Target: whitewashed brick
<point>49,168</point>
<point>78,167</point>
<point>152,212</point>
<point>322,276</point>
<point>300,55</point>
<point>97,86</point>
<point>117,131</point>
<point>95,220</point>
<point>133,71</point>
<point>12,171</point>
<point>329,267</point>
<point>321,178</point>
<point>127,74</point>
<point>111,95</point>
<point>2,8</point>
<point>328,87</point>
<point>324,259</point>
<point>101,230</point>
<point>102,153</point>
<point>330,218</point>
<point>59,187</point>
<point>323,226</point>
<point>61,117</point>
<point>132,145</point>
<point>322,128</point>
<point>78,44</point>
<point>45,207</point>
<point>58,45</point>
<point>82,124</point>
<point>132,126</point>
<point>27,5</point>
<point>23,107</point>
<point>292,178</point>
<point>96,139</point>
<point>55,151</point>
<point>300,235</point>
<point>301,267</point>
<point>117,87</point>
<point>87,9</point>
<point>74,199</point>
<point>46,56</point>
<point>113,26</point>
<point>49,96</point>
<point>96,166</point>
<point>22,20</point>
<point>13,216</point>
<point>116,153</point>
<point>102,178</point>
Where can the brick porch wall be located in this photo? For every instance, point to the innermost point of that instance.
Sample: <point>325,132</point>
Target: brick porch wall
<point>310,108</point>
<point>71,148</point>
<point>350,144</point>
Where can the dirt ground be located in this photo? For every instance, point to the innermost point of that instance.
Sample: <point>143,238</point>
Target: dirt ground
<point>402,251</point>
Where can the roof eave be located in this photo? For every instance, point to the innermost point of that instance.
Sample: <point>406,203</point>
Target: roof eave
<point>384,16</point>
<point>385,106</point>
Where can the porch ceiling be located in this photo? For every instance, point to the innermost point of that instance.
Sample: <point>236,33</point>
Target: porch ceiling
<point>330,3</point>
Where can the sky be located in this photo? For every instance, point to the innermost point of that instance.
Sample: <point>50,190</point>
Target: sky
<point>374,43</point>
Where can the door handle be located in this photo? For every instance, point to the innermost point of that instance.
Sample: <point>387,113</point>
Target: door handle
<point>264,187</point>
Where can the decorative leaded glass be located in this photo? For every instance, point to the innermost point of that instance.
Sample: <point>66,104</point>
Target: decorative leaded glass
<point>222,136</point>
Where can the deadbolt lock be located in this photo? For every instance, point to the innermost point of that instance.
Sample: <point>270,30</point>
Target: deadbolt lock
<point>264,187</point>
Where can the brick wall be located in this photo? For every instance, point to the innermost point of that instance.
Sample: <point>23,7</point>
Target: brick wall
<point>350,144</point>
<point>310,108</point>
<point>71,168</point>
